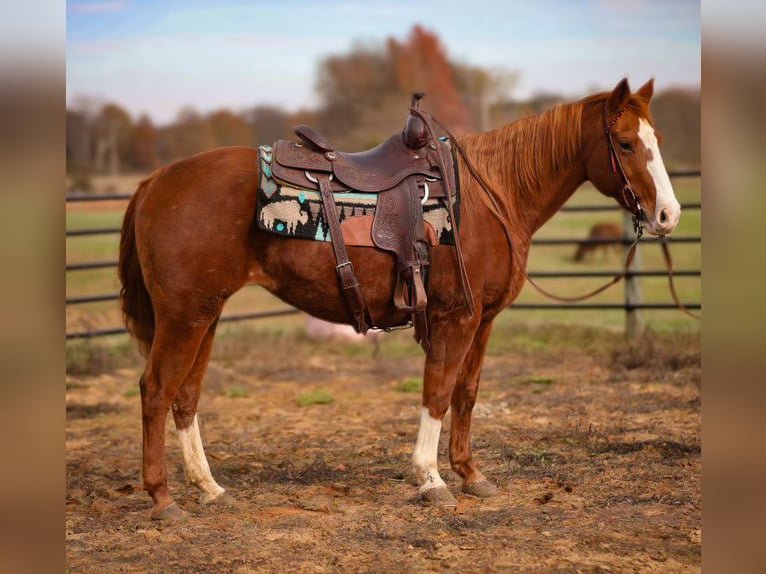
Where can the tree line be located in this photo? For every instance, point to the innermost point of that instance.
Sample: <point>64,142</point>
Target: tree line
<point>364,95</point>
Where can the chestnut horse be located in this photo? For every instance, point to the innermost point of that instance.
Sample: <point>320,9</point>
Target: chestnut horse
<point>605,236</point>
<point>190,240</point>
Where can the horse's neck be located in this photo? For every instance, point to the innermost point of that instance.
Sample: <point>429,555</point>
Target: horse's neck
<point>549,180</point>
<point>554,191</point>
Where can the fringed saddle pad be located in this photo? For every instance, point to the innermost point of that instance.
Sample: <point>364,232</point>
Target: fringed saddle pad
<point>297,213</point>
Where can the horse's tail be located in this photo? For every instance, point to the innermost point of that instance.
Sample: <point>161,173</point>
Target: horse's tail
<point>137,310</point>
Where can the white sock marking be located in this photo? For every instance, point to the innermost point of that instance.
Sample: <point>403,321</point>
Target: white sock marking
<point>665,199</point>
<point>195,462</point>
<point>424,457</point>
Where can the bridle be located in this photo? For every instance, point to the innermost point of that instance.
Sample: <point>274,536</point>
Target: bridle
<point>639,215</point>
<point>629,197</point>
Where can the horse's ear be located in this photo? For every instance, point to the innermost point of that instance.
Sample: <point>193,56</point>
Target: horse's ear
<point>647,90</point>
<point>619,95</point>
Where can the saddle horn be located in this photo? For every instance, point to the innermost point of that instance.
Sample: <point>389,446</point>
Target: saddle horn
<point>415,133</point>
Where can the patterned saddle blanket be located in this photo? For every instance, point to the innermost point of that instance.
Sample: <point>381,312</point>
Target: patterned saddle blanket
<point>297,213</point>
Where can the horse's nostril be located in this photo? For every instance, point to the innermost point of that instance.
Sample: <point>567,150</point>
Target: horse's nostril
<point>663,216</point>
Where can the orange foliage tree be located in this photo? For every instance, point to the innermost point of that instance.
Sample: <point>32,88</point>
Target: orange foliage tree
<point>365,94</point>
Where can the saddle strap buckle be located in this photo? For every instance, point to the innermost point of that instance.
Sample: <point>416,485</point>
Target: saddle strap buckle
<point>312,179</point>
<point>338,268</point>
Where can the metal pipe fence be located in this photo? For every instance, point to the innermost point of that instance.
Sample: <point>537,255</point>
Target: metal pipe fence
<point>631,305</point>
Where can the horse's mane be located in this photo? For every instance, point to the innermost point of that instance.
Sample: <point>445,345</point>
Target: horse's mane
<point>516,155</point>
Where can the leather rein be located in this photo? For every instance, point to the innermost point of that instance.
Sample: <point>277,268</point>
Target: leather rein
<point>630,200</point>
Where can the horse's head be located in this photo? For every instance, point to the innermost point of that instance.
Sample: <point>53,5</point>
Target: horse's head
<point>622,156</point>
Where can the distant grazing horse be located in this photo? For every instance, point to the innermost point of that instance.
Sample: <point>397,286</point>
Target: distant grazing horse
<point>190,240</point>
<point>601,237</point>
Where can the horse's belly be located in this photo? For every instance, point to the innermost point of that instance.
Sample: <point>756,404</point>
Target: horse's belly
<point>302,273</point>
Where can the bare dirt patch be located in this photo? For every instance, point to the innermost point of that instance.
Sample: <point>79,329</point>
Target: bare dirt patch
<point>596,451</point>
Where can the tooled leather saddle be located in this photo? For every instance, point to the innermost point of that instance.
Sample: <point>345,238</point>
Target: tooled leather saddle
<point>408,168</point>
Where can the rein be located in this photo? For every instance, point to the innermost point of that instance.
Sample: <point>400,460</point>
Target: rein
<point>634,205</point>
<point>669,265</point>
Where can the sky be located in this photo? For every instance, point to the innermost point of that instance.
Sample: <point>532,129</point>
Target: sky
<point>154,57</point>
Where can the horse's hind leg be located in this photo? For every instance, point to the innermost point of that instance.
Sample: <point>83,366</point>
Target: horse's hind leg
<point>463,400</point>
<point>185,417</point>
<point>172,356</point>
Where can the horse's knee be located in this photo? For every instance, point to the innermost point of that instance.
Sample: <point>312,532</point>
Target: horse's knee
<point>437,405</point>
<point>183,415</point>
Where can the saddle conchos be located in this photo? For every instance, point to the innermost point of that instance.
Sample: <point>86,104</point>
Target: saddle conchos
<point>404,172</point>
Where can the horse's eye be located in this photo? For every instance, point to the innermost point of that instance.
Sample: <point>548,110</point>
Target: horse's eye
<point>626,146</point>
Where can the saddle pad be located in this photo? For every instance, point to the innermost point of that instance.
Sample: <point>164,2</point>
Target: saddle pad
<point>297,213</point>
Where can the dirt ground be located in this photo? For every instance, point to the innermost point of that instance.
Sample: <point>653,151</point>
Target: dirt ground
<point>595,447</point>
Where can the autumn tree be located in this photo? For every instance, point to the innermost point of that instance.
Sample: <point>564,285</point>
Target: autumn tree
<point>365,94</point>
<point>112,130</point>
<point>677,114</point>
<point>190,134</point>
<point>144,145</point>
<point>420,65</point>
<point>483,91</point>
<point>229,128</point>
<point>78,142</point>
<point>268,124</point>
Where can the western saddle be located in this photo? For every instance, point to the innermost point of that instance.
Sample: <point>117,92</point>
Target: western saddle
<point>405,170</point>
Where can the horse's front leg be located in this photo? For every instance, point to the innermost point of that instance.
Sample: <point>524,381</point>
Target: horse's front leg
<point>463,400</point>
<point>450,341</point>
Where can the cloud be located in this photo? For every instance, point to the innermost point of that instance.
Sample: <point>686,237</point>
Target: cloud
<point>96,7</point>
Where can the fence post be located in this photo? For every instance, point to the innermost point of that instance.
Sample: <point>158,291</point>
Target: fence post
<point>634,323</point>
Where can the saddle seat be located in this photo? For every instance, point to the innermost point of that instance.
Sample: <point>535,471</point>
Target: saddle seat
<point>371,171</point>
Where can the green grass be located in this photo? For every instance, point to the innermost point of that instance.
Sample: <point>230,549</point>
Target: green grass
<point>320,397</point>
<point>237,393</point>
<point>132,392</point>
<point>410,385</point>
<point>536,381</point>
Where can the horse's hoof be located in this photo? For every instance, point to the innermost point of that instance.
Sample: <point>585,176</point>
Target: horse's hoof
<point>223,500</point>
<point>440,496</point>
<point>171,513</point>
<point>481,489</point>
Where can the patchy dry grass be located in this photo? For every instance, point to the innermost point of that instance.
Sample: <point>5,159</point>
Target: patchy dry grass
<point>598,472</point>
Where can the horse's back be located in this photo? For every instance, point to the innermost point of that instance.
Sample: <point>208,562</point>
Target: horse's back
<point>606,230</point>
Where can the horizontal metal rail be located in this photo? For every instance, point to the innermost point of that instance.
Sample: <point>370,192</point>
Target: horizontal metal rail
<point>598,306</point>
<point>544,242</point>
<point>91,265</point>
<point>615,207</point>
<point>588,208</point>
<point>519,306</point>
<point>534,274</point>
<point>83,198</point>
<point>226,319</point>
<point>623,241</point>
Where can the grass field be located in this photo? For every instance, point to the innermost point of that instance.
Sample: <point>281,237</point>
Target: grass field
<point>542,258</point>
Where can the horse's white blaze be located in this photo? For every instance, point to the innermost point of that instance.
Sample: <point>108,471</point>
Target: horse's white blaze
<point>424,458</point>
<point>195,462</point>
<point>666,199</point>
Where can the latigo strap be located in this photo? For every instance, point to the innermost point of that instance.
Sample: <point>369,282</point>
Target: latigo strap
<point>352,292</point>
